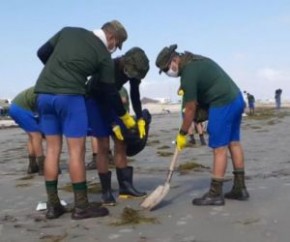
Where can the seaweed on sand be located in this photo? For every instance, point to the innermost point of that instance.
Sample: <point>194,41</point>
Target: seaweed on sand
<point>28,177</point>
<point>191,165</point>
<point>152,142</point>
<point>164,153</point>
<point>131,216</point>
<point>93,187</point>
<point>164,147</point>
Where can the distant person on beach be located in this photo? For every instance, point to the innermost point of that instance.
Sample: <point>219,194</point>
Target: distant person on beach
<point>278,94</point>
<point>196,128</point>
<point>251,103</point>
<point>206,84</point>
<point>70,57</point>
<point>131,67</point>
<point>23,111</point>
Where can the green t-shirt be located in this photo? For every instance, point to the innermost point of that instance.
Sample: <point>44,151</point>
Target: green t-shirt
<point>26,99</point>
<point>77,54</point>
<point>125,98</point>
<point>207,83</point>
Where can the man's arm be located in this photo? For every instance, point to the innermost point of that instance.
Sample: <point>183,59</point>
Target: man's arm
<point>189,115</point>
<point>45,51</point>
<point>135,98</point>
<point>112,96</point>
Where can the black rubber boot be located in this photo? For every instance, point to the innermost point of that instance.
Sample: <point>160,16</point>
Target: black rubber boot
<point>202,140</point>
<point>40,162</point>
<point>239,190</point>
<point>213,197</point>
<point>107,196</point>
<point>125,179</point>
<point>92,165</point>
<point>32,166</point>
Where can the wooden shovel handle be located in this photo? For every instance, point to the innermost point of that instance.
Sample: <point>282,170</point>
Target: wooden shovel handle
<point>172,165</point>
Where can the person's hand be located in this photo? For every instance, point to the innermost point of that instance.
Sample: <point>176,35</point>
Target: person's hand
<point>128,120</point>
<point>141,127</point>
<point>181,141</point>
<point>118,133</point>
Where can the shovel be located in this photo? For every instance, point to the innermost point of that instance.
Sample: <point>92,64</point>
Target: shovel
<point>161,191</point>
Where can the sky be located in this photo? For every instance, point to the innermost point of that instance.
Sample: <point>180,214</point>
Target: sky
<point>249,39</point>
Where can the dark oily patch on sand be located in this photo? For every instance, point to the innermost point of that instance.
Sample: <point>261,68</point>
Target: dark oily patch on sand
<point>53,238</point>
<point>152,142</point>
<point>191,165</point>
<point>273,122</point>
<point>164,153</point>
<point>130,216</point>
<point>28,177</point>
<point>255,127</point>
<point>163,147</point>
<point>25,184</point>
<point>152,135</point>
<point>8,218</point>
<point>248,221</point>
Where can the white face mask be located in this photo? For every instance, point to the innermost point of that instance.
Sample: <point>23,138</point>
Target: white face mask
<point>112,50</point>
<point>126,73</point>
<point>172,73</point>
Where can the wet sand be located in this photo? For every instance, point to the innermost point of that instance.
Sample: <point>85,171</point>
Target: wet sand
<point>265,217</point>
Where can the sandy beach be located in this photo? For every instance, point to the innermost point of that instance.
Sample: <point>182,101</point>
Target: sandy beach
<point>265,217</point>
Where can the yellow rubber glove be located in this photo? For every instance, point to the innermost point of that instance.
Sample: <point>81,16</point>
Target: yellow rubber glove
<point>118,133</point>
<point>141,127</point>
<point>181,141</point>
<point>128,120</point>
<point>180,92</point>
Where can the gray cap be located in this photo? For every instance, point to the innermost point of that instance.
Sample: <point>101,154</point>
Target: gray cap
<point>120,32</point>
<point>165,56</point>
<point>136,63</point>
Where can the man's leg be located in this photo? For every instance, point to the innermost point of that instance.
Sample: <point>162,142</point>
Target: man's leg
<point>36,140</point>
<point>239,190</point>
<point>82,208</point>
<point>54,146</point>
<point>199,128</point>
<point>105,175</point>
<point>191,134</point>
<point>215,195</point>
<point>124,172</point>
<point>32,165</point>
<point>219,129</point>
<point>92,165</point>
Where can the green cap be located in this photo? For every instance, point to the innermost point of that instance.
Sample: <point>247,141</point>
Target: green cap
<point>121,33</point>
<point>136,63</point>
<point>164,57</point>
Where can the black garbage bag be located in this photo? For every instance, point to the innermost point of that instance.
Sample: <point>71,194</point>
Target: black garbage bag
<point>132,139</point>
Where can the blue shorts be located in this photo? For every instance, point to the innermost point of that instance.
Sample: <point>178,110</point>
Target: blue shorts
<point>101,116</point>
<point>224,123</point>
<point>63,115</point>
<point>26,120</point>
